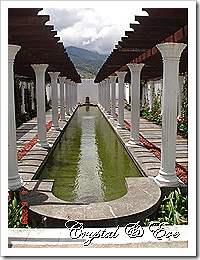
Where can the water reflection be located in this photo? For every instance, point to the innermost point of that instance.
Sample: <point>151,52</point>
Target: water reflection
<point>89,178</point>
<point>89,164</point>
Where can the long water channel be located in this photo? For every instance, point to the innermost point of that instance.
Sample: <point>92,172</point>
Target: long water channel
<point>89,163</point>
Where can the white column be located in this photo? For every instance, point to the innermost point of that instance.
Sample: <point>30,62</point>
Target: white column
<point>99,94</point>
<point>54,87</point>
<point>22,85</point>
<point>150,96</point>
<point>76,95</point>
<point>67,82</point>
<point>103,84</point>
<point>180,86</point>
<point>32,97</point>
<point>47,86</point>
<point>171,53</point>
<point>113,96</point>
<point>40,92</point>
<point>14,181</point>
<point>107,87</point>
<point>62,101</point>
<point>73,96</point>
<point>70,97</point>
<point>121,77</point>
<point>135,70</point>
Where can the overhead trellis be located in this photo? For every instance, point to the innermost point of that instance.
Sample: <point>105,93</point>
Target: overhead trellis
<point>139,46</point>
<point>39,44</point>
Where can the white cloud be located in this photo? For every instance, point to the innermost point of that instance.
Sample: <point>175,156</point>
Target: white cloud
<point>97,28</point>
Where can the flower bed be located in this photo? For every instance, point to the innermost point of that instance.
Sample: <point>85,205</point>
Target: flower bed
<point>29,145</point>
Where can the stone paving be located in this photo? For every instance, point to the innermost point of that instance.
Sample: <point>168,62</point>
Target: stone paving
<point>153,133</point>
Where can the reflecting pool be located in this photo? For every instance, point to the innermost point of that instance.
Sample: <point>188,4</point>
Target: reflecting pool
<point>89,163</point>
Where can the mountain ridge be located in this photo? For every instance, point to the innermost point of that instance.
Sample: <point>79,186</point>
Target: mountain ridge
<point>84,53</point>
<point>86,62</point>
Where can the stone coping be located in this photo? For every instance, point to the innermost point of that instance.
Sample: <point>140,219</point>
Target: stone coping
<point>141,200</point>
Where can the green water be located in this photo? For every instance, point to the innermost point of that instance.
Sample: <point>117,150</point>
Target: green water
<point>89,163</point>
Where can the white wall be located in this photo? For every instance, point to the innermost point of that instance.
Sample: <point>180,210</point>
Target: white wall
<point>88,89</point>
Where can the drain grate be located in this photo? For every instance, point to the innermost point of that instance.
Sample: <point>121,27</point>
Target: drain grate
<point>90,198</point>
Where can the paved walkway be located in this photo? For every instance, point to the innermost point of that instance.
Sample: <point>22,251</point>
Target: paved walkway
<point>153,133</point>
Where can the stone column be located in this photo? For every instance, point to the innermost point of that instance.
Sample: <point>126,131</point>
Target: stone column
<point>14,181</point>
<point>180,86</point>
<point>113,96</point>
<point>41,113</point>
<point>22,85</point>
<point>171,53</point>
<point>62,101</point>
<point>99,94</point>
<point>103,95</point>
<point>107,87</point>
<point>70,97</point>
<point>32,97</point>
<point>54,87</point>
<point>67,82</point>
<point>150,96</point>
<point>76,95</point>
<point>135,70</point>
<point>121,77</point>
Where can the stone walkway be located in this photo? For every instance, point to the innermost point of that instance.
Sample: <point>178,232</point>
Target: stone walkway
<point>153,133</point>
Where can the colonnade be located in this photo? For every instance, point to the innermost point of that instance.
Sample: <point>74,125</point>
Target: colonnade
<point>70,87</point>
<point>171,53</point>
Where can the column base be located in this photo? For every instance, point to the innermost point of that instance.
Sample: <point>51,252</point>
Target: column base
<point>14,183</point>
<point>43,144</point>
<point>121,126</point>
<point>134,142</point>
<point>56,127</point>
<point>113,117</point>
<point>63,119</point>
<point>167,179</point>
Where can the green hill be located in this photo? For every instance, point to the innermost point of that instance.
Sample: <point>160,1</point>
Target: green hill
<point>86,62</point>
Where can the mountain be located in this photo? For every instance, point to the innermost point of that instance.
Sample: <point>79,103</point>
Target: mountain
<point>83,53</point>
<point>86,62</point>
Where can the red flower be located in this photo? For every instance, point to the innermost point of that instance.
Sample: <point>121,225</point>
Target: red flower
<point>9,196</point>
<point>17,116</point>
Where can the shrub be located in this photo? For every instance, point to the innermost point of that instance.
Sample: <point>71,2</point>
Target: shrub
<point>15,211</point>
<point>173,209</point>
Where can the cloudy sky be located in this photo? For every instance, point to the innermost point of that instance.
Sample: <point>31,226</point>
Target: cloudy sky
<point>95,27</point>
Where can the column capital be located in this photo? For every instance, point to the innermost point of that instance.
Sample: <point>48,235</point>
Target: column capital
<point>53,75</point>
<point>121,74</point>
<point>135,67</point>
<point>62,79</point>
<point>12,51</point>
<point>113,78</point>
<point>39,68</point>
<point>171,50</point>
